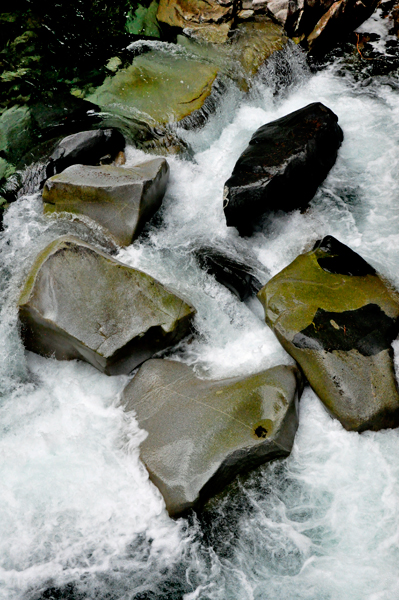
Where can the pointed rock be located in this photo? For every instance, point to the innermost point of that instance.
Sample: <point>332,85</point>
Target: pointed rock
<point>337,318</point>
<point>79,303</point>
<point>202,433</point>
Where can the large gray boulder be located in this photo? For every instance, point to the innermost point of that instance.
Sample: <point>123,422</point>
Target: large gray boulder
<point>283,165</point>
<point>337,318</point>
<point>202,433</point>
<point>120,199</point>
<point>79,303</point>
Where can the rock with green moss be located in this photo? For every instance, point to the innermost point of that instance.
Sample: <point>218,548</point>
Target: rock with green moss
<point>337,318</point>
<point>144,21</point>
<point>120,199</point>
<point>159,87</point>
<point>79,303</point>
<point>202,433</point>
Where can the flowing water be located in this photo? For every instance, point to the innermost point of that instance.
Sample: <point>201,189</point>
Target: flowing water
<point>79,518</point>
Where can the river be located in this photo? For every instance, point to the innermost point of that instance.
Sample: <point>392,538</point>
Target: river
<point>79,518</point>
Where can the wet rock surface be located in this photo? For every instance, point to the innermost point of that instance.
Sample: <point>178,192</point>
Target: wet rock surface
<point>86,148</point>
<point>120,199</point>
<point>236,276</point>
<point>79,303</point>
<point>159,87</point>
<point>332,312</point>
<point>285,162</point>
<point>202,433</point>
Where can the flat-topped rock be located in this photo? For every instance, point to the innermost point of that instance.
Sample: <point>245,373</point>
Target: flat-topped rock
<point>79,303</point>
<point>282,167</point>
<point>202,433</point>
<point>159,87</point>
<point>337,318</point>
<point>120,199</point>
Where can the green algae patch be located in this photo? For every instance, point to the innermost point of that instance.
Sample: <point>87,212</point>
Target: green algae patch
<point>165,87</point>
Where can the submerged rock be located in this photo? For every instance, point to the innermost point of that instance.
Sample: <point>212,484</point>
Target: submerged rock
<point>120,199</point>
<point>285,162</point>
<point>207,19</point>
<point>202,433</point>
<point>228,271</point>
<point>331,311</point>
<point>86,148</point>
<point>79,303</point>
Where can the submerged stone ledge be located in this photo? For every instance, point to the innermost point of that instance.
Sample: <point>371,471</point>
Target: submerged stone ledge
<point>202,433</point>
<point>79,303</point>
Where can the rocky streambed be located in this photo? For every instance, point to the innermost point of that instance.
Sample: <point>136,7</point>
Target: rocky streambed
<point>222,398</point>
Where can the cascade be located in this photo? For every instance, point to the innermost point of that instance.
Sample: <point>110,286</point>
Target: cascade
<point>79,517</point>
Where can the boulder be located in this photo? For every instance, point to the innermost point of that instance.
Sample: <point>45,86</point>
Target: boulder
<point>341,18</point>
<point>207,19</point>
<point>120,199</point>
<point>160,87</point>
<point>320,25</point>
<point>285,162</point>
<point>236,276</point>
<point>79,303</point>
<point>202,433</point>
<point>337,318</point>
<point>86,148</point>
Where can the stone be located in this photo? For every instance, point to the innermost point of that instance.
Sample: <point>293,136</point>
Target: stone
<point>342,17</point>
<point>120,199</point>
<point>285,162</point>
<point>202,433</point>
<point>318,25</point>
<point>208,19</point>
<point>245,52</point>
<point>86,148</point>
<point>159,88</point>
<point>79,303</point>
<point>337,318</point>
<point>228,271</point>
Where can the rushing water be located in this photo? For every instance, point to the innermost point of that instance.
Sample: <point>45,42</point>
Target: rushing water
<point>79,518</point>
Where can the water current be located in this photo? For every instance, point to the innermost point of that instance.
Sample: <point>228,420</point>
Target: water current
<point>79,518</point>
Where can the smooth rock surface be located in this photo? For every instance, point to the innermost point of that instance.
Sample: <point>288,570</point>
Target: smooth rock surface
<point>79,303</point>
<point>86,148</point>
<point>159,87</point>
<point>121,200</point>
<point>202,433</point>
<point>285,162</point>
<point>336,317</point>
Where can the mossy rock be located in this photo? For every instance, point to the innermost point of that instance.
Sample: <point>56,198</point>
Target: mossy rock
<point>202,433</point>
<point>333,313</point>
<point>79,303</point>
<point>162,86</point>
<point>120,200</point>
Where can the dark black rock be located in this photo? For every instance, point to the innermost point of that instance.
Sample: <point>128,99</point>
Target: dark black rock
<point>342,260</point>
<point>368,330</point>
<point>282,167</point>
<point>236,276</point>
<point>86,148</point>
